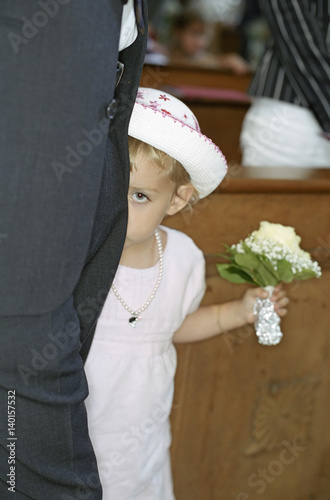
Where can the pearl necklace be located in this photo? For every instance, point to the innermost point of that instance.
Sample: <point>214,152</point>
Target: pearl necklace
<point>135,314</point>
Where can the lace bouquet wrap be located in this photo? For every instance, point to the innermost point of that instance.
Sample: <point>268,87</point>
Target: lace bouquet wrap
<point>268,256</point>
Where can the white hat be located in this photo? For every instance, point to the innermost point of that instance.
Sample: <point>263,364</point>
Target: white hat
<point>166,123</point>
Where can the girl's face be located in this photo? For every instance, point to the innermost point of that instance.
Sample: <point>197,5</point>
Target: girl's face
<point>194,38</point>
<point>151,196</point>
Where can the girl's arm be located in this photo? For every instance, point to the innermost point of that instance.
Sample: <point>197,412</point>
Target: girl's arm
<point>209,321</point>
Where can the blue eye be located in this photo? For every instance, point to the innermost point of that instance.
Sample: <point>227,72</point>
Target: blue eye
<point>139,197</point>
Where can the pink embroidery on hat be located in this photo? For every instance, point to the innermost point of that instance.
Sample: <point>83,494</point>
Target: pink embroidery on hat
<point>154,105</point>
<point>166,114</point>
<point>140,94</point>
<point>163,96</point>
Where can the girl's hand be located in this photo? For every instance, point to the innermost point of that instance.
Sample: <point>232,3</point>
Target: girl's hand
<point>281,300</point>
<point>279,297</point>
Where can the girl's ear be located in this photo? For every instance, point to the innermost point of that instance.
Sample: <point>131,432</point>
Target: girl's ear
<point>180,199</point>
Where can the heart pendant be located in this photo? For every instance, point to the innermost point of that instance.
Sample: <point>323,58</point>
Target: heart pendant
<point>133,320</point>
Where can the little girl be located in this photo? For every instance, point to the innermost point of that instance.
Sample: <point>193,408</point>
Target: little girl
<point>154,301</point>
<point>190,41</point>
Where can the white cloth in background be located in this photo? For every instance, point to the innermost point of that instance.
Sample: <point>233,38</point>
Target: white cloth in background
<point>130,373</point>
<point>279,134</point>
<point>128,30</point>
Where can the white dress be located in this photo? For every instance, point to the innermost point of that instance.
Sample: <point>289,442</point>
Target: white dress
<point>130,372</point>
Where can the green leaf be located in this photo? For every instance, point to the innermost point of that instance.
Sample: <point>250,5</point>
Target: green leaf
<point>265,276</point>
<point>268,265</point>
<point>305,274</point>
<point>225,256</point>
<point>229,253</point>
<point>234,274</point>
<point>284,271</point>
<point>246,260</point>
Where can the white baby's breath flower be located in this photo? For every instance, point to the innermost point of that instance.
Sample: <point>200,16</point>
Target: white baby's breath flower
<point>238,247</point>
<point>276,251</point>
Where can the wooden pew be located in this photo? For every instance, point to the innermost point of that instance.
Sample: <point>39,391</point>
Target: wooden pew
<point>156,76</point>
<point>252,421</point>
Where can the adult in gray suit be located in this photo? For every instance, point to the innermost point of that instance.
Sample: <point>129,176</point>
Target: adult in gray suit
<point>64,177</point>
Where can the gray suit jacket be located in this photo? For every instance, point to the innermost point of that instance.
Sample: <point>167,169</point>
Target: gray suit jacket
<point>63,174</point>
<point>111,217</point>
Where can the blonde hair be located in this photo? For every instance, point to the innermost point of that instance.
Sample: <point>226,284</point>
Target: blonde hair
<point>175,172</point>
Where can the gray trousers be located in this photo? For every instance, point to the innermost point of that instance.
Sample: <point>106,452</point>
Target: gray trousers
<point>45,451</point>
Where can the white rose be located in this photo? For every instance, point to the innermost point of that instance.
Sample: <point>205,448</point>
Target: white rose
<point>285,235</point>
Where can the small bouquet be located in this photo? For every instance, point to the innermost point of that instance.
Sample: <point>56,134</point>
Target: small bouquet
<point>265,258</point>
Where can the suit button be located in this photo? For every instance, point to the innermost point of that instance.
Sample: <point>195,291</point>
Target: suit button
<point>111,109</point>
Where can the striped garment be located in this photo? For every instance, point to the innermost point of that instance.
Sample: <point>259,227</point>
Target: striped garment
<point>295,66</point>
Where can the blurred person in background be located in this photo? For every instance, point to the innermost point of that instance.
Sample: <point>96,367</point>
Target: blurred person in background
<point>190,44</point>
<point>187,35</point>
<point>288,123</point>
